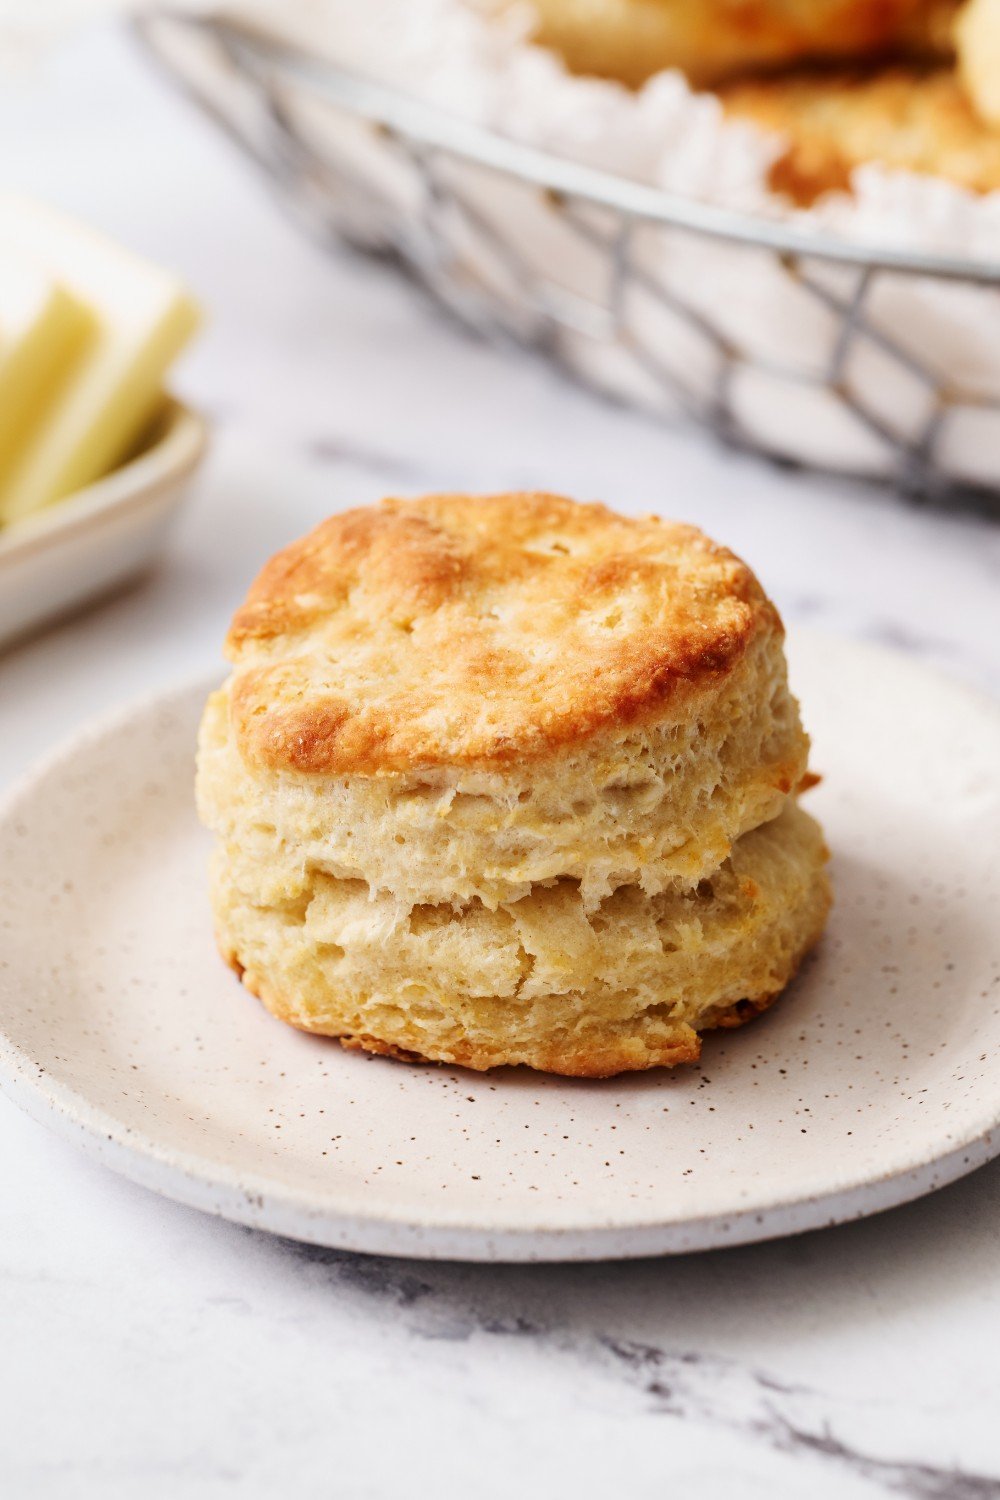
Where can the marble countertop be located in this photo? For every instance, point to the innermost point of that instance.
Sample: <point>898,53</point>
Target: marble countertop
<point>149,1351</point>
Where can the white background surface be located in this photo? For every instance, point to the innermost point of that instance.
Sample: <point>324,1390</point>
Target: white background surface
<point>148,1351</point>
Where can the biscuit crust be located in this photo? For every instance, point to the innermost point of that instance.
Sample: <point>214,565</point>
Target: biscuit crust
<point>479,632</point>
<point>713,40</point>
<point>902,118</point>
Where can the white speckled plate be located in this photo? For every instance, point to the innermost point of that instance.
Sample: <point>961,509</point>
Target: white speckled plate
<point>874,1080</point>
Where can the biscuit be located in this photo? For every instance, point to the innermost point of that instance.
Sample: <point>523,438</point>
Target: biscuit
<point>451,717</point>
<point>902,118</point>
<point>977,35</point>
<point>713,40</point>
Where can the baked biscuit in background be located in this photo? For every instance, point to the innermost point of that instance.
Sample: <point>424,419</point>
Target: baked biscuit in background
<point>831,123</point>
<point>783,66</point>
<point>977,36</point>
<point>712,40</point>
<point>510,780</point>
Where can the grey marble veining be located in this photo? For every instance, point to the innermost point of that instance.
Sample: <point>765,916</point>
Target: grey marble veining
<point>147,1350</point>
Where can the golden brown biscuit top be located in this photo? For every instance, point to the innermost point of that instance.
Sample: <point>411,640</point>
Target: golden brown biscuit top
<point>466,631</point>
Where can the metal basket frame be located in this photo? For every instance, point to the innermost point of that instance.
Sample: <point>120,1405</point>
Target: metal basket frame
<point>323,190</point>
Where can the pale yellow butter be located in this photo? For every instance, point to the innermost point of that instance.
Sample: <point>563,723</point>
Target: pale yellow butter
<point>43,332</point>
<point>141,318</point>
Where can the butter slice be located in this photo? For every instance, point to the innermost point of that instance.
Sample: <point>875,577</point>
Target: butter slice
<point>43,331</point>
<point>142,317</point>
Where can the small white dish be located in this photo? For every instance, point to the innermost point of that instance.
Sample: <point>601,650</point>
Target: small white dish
<point>874,1080</point>
<point>82,547</point>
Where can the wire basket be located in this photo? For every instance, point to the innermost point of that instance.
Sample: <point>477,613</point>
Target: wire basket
<point>802,347</point>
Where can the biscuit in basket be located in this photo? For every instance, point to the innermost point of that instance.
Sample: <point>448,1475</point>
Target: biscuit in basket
<point>977,35</point>
<point>711,40</point>
<point>510,780</point>
<point>904,118</point>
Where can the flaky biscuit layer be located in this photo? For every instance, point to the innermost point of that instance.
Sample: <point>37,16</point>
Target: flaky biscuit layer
<point>540,981</point>
<point>655,804</point>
